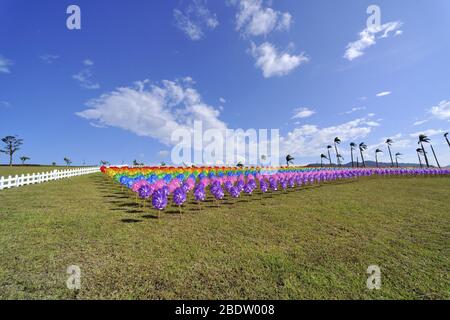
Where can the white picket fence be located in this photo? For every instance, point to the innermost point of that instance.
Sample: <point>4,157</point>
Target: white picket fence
<point>23,180</point>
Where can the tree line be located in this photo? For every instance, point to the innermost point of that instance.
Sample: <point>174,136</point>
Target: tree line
<point>362,148</point>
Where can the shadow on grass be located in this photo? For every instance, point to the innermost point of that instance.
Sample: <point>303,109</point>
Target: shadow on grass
<point>134,211</point>
<point>150,216</point>
<point>130,220</point>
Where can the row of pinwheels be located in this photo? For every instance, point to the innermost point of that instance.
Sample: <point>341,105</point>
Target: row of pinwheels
<point>160,185</point>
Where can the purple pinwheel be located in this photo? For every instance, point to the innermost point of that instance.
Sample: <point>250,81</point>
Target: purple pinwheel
<point>240,185</point>
<point>217,192</point>
<point>284,184</point>
<point>165,190</point>
<point>273,184</point>
<point>248,189</point>
<point>228,185</point>
<point>292,183</point>
<point>263,186</point>
<point>179,196</point>
<point>234,192</point>
<point>252,183</point>
<point>185,187</point>
<point>199,194</point>
<point>145,191</point>
<point>159,199</point>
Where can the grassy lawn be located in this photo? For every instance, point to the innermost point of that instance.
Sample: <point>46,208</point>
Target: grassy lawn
<point>312,243</point>
<point>12,171</point>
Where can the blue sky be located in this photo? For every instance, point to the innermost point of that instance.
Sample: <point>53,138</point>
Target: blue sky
<point>136,70</point>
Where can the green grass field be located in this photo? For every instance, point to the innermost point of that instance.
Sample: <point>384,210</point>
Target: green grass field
<point>313,243</point>
<point>12,171</point>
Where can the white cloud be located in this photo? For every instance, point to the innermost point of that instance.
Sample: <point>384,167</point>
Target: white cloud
<point>368,38</point>
<point>5,65</point>
<point>163,154</point>
<point>310,140</point>
<point>194,19</point>
<point>399,142</point>
<point>84,77</point>
<point>222,100</point>
<point>49,58</point>
<point>383,94</point>
<point>275,63</point>
<point>441,111</point>
<point>153,110</point>
<point>285,21</point>
<point>373,123</point>
<point>420,122</point>
<point>88,62</point>
<point>355,109</point>
<point>96,125</point>
<point>254,19</point>
<point>301,113</point>
<point>5,104</point>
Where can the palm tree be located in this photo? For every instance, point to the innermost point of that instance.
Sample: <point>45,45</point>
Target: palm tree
<point>389,142</point>
<point>24,158</point>
<point>397,156</point>
<point>419,152</point>
<point>329,155</point>
<point>362,147</point>
<point>341,158</point>
<point>336,142</point>
<point>67,161</point>
<point>352,148</point>
<point>322,156</point>
<point>376,155</point>
<point>423,138</point>
<point>435,158</point>
<point>446,138</point>
<point>289,159</point>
